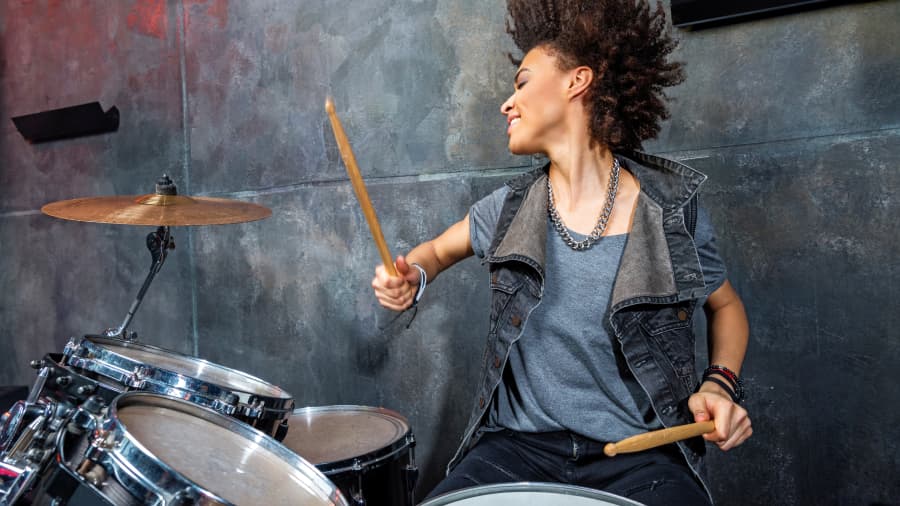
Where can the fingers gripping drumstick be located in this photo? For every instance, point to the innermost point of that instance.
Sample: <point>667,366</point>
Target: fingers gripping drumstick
<point>359,187</point>
<point>656,438</point>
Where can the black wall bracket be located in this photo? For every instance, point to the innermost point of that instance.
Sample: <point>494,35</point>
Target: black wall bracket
<point>67,122</point>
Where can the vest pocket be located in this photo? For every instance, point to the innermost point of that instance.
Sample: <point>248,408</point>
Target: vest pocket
<point>669,330</point>
<point>668,318</point>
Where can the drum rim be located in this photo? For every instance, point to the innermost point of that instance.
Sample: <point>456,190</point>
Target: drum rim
<point>366,460</point>
<point>112,422</point>
<point>449,498</point>
<point>165,379</point>
<point>282,394</point>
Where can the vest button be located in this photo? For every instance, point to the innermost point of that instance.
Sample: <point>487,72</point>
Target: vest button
<point>496,362</point>
<point>682,315</point>
<point>516,321</point>
<point>481,402</point>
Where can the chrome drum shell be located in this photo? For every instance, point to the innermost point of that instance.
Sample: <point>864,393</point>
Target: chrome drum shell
<point>140,367</point>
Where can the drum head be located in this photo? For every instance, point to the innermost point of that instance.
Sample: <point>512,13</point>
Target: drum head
<point>532,494</point>
<point>330,436</point>
<point>218,454</point>
<point>191,367</point>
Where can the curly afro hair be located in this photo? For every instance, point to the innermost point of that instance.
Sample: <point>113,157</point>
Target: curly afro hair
<point>625,43</point>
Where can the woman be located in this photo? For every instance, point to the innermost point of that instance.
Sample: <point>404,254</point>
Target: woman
<point>597,263</point>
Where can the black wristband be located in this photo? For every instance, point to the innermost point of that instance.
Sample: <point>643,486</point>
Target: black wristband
<point>727,388</point>
<point>709,372</point>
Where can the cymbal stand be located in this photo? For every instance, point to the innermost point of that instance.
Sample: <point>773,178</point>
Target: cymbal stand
<point>159,243</point>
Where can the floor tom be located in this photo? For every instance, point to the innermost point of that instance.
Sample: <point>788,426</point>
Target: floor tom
<point>367,452</point>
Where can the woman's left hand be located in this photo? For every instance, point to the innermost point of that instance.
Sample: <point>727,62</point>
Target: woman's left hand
<point>711,402</point>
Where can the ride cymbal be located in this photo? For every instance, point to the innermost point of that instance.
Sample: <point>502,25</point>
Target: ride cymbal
<point>164,209</point>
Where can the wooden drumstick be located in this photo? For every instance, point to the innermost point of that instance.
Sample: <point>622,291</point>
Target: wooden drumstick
<point>660,437</point>
<point>359,187</point>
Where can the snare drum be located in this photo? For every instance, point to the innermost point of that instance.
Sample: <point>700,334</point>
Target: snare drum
<point>531,494</point>
<point>157,450</point>
<point>148,368</point>
<point>367,452</point>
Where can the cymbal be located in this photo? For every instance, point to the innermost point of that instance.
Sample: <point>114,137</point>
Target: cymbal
<point>157,210</point>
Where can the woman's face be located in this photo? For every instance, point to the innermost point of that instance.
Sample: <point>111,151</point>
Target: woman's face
<point>536,110</point>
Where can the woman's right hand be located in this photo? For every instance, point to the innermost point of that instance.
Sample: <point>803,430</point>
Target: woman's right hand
<point>396,292</point>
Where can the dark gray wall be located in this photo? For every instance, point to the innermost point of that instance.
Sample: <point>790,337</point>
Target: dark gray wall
<point>796,120</point>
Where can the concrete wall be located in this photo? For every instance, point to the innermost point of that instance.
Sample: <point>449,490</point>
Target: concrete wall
<point>796,119</point>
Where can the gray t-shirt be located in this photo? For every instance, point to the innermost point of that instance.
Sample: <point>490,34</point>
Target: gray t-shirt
<point>566,371</point>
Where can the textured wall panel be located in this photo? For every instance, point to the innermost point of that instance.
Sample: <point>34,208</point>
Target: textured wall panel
<point>407,88</point>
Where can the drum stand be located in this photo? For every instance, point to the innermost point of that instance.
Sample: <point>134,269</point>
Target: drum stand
<point>159,243</point>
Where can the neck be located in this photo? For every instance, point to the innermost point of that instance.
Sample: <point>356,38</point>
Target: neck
<point>579,172</point>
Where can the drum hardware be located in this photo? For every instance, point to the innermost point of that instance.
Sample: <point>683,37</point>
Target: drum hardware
<point>159,243</point>
<point>32,426</point>
<point>281,430</point>
<point>411,471</point>
<point>15,480</point>
<point>38,386</point>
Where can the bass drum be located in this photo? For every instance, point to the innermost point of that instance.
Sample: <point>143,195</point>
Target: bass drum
<point>140,367</point>
<point>367,452</point>
<point>156,450</point>
<point>531,494</point>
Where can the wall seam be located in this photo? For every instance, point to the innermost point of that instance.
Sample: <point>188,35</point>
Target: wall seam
<point>186,170</point>
<point>841,136</point>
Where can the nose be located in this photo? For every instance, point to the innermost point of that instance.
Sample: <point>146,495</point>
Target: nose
<point>507,106</point>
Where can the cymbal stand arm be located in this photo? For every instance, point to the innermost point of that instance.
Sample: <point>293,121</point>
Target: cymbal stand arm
<point>159,243</point>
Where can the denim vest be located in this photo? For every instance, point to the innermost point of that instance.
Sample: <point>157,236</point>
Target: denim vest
<point>654,295</point>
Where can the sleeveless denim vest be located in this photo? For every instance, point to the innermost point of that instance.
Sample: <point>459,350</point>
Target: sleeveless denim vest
<point>653,299</point>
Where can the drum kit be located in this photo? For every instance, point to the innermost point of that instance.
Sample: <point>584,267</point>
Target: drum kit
<point>114,421</point>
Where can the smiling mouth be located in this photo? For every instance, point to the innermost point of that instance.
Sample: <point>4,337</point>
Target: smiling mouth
<point>512,124</point>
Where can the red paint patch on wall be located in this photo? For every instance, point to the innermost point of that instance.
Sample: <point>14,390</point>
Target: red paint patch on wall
<point>215,9</point>
<point>150,18</point>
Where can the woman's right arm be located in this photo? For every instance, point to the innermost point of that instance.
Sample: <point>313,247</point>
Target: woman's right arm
<point>434,256</point>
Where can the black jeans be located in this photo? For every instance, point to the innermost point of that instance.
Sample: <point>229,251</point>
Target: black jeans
<point>659,476</point>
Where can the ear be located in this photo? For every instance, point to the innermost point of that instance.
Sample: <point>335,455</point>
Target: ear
<point>580,79</point>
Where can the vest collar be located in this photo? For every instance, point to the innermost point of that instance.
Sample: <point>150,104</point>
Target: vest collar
<point>646,270</point>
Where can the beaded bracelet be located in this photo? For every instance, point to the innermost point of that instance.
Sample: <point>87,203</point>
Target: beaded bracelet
<point>736,387</point>
<point>725,372</point>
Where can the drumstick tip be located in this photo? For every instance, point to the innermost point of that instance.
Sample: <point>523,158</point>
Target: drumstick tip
<point>610,450</point>
<point>329,105</point>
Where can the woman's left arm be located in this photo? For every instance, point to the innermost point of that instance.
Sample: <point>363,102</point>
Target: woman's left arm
<point>728,336</point>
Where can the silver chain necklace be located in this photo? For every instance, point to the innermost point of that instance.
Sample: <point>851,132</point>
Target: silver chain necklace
<point>595,235</point>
